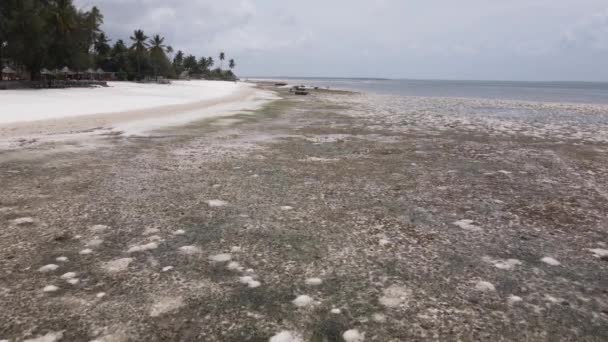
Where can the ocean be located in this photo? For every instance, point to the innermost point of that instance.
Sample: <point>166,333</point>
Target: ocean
<point>559,92</point>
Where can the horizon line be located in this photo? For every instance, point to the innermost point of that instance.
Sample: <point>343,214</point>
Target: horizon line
<point>421,79</point>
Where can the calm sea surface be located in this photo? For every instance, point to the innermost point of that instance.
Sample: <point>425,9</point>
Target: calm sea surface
<point>569,92</point>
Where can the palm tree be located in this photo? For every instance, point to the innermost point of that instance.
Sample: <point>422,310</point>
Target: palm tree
<point>157,42</point>
<point>190,64</point>
<point>222,57</point>
<point>179,57</point>
<point>119,56</point>
<point>178,62</point>
<point>101,46</point>
<point>139,40</point>
<point>94,20</point>
<point>64,21</point>
<point>210,62</point>
<point>157,52</point>
<point>101,50</point>
<point>63,16</point>
<point>203,65</point>
<point>139,46</point>
<point>231,64</point>
<point>25,35</point>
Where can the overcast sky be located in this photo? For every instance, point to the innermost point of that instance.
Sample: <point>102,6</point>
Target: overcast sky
<point>426,39</point>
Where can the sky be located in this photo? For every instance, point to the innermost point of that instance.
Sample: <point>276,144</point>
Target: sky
<point>527,40</point>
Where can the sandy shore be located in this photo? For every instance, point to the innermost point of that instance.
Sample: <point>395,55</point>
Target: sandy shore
<point>31,105</point>
<point>314,219</point>
<point>124,108</point>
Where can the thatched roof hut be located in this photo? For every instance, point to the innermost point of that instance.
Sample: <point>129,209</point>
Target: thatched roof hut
<point>8,70</point>
<point>8,74</point>
<point>67,71</point>
<point>46,73</point>
<point>184,75</point>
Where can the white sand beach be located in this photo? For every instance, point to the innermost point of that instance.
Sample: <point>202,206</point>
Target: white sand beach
<point>131,108</point>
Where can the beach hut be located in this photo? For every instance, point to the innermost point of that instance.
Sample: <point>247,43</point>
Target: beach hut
<point>47,76</point>
<point>90,74</point>
<point>69,74</point>
<point>184,75</point>
<point>46,72</point>
<point>8,74</point>
<point>104,76</point>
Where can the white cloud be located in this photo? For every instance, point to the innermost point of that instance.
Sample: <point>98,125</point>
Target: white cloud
<point>477,39</point>
<point>591,32</point>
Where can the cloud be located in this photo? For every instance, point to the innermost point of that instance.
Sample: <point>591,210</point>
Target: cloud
<point>592,32</point>
<point>468,39</point>
<point>202,26</point>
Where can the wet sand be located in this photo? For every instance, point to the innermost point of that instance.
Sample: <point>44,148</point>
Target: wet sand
<point>314,218</point>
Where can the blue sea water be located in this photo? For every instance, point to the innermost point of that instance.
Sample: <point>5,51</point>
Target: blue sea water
<point>564,92</point>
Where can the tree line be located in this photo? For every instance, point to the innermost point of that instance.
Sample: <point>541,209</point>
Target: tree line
<point>52,34</point>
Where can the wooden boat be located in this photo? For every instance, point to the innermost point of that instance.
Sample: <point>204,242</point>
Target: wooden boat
<point>280,84</point>
<point>301,92</point>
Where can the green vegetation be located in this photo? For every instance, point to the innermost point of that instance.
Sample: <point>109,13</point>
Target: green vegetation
<point>53,34</point>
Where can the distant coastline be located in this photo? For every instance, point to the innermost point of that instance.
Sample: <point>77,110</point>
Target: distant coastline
<point>534,91</point>
<point>317,78</point>
<point>425,80</point>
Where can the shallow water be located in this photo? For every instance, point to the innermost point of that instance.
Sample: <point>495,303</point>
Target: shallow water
<point>565,92</point>
<point>561,121</point>
<point>557,110</point>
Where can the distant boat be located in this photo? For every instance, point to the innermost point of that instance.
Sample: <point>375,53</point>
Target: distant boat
<point>298,90</point>
<point>280,84</point>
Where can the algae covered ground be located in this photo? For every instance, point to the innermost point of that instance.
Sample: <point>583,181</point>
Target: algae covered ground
<point>331,217</point>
